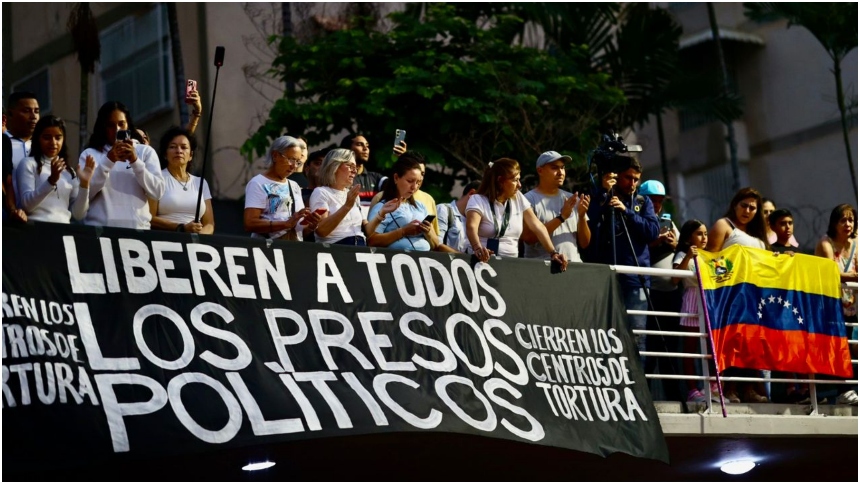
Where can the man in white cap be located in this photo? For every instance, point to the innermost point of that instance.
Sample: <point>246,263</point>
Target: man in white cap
<point>562,212</point>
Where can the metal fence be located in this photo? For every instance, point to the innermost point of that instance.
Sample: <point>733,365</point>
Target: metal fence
<point>704,353</point>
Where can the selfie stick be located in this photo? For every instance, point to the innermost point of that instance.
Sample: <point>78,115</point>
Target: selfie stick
<point>219,61</point>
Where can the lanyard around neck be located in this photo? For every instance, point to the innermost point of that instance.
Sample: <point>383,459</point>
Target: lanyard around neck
<point>507,218</point>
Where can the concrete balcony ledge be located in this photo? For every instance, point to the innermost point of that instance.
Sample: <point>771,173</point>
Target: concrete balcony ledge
<point>758,419</point>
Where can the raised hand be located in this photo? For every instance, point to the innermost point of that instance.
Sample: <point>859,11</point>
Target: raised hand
<point>85,174</point>
<point>352,196</point>
<point>567,207</point>
<point>582,208</point>
<point>390,206</point>
<point>609,181</point>
<point>692,252</point>
<point>57,166</point>
<point>399,150</point>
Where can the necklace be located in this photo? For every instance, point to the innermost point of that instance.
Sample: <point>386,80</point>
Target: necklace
<point>184,184</point>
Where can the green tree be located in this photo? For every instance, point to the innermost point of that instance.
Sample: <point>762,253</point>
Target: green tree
<point>835,26</point>
<point>465,94</point>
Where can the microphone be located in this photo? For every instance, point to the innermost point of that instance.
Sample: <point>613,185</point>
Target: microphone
<point>219,56</point>
<point>219,61</point>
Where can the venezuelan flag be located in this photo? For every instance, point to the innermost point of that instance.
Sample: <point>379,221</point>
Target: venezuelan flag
<point>775,312</point>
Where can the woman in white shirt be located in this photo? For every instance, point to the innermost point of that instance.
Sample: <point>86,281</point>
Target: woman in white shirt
<point>496,213</point>
<point>177,208</point>
<point>336,200</point>
<point>49,190</point>
<point>273,204</point>
<point>127,173</point>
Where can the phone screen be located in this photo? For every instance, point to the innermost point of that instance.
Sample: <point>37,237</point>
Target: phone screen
<point>122,135</point>
<point>429,219</point>
<point>665,225</point>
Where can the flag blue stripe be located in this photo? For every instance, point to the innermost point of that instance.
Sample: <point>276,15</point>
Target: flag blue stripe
<point>742,303</point>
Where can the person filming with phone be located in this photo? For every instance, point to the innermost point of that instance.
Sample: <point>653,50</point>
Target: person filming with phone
<point>495,216</point>
<point>403,222</point>
<point>127,173</point>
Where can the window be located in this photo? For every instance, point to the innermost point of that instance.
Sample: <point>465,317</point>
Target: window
<point>136,64</point>
<point>708,192</point>
<point>39,83</point>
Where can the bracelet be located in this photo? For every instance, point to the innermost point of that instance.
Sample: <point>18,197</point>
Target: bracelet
<point>553,254</point>
<point>560,218</point>
<point>180,227</point>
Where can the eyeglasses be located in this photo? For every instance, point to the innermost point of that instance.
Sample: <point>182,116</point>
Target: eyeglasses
<point>748,206</point>
<point>292,161</point>
<point>351,167</point>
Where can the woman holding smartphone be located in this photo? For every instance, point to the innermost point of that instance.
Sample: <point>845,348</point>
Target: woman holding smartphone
<point>496,214</point>
<point>127,173</point>
<point>403,222</point>
<point>274,208</point>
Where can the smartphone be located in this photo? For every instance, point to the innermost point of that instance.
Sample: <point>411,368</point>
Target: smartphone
<point>429,219</point>
<point>665,223</point>
<point>123,135</point>
<point>191,85</point>
<point>493,245</point>
<point>399,135</point>
<point>555,267</point>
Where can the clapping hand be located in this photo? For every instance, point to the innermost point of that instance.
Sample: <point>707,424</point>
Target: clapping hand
<point>57,166</point>
<point>352,196</point>
<point>584,200</point>
<point>85,174</point>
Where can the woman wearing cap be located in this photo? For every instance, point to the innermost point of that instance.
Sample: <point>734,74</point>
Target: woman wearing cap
<point>495,215</point>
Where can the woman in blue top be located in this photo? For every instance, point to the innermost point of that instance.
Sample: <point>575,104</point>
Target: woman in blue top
<point>400,216</point>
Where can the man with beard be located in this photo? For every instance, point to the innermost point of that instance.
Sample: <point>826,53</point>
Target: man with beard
<point>562,213</point>
<point>22,116</point>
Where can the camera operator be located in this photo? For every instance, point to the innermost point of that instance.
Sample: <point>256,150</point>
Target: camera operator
<point>634,216</point>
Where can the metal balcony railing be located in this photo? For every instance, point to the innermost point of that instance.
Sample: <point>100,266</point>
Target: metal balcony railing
<point>703,337</point>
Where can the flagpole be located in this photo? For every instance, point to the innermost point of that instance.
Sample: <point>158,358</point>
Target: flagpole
<point>710,335</point>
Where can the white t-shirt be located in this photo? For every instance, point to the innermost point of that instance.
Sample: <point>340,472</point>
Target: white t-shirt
<point>177,203</point>
<point>44,202</point>
<point>679,257</point>
<point>546,208</point>
<point>331,200</point>
<point>119,191</point>
<point>277,200</point>
<point>487,229</point>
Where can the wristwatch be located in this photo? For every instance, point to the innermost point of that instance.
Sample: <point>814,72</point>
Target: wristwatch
<point>560,218</point>
<point>553,253</point>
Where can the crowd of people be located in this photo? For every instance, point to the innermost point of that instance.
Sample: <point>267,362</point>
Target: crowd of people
<point>331,196</point>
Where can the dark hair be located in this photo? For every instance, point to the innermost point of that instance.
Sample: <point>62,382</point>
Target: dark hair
<point>36,146</point>
<point>687,230</point>
<point>766,200</point>
<point>777,214</point>
<point>317,154</point>
<point>414,155</point>
<point>19,95</point>
<point>756,227</point>
<point>622,163</point>
<point>99,137</point>
<point>136,135</point>
<point>403,165</point>
<point>346,143</point>
<point>168,136</point>
<point>472,185</point>
<point>503,167</point>
<point>836,216</point>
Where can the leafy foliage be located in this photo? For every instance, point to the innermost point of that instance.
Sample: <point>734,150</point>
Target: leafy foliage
<point>463,91</point>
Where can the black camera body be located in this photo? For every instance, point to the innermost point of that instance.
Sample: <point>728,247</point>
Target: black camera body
<point>605,155</point>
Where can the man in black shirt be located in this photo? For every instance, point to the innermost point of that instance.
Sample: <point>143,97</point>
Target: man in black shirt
<point>369,180</point>
<point>9,208</point>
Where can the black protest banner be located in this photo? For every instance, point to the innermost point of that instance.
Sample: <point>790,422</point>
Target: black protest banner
<point>119,342</point>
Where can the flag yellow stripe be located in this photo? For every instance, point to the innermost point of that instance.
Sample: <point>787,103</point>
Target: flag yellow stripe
<point>810,274</point>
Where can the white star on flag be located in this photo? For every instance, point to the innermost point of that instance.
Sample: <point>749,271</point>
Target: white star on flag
<point>794,311</point>
<point>786,304</point>
<point>779,299</point>
<point>799,320</point>
<point>759,314</point>
<point>762,302</point>
<point>771,299</point>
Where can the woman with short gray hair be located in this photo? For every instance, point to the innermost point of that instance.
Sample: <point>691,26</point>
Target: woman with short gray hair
<point>273,204</point>
<point>336,200</point>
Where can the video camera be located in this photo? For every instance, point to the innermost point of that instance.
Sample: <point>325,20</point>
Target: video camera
<point>603,156</point>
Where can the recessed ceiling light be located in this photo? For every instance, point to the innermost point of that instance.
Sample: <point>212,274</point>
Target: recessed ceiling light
<point>258,466</point>
<point>736,467</point>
